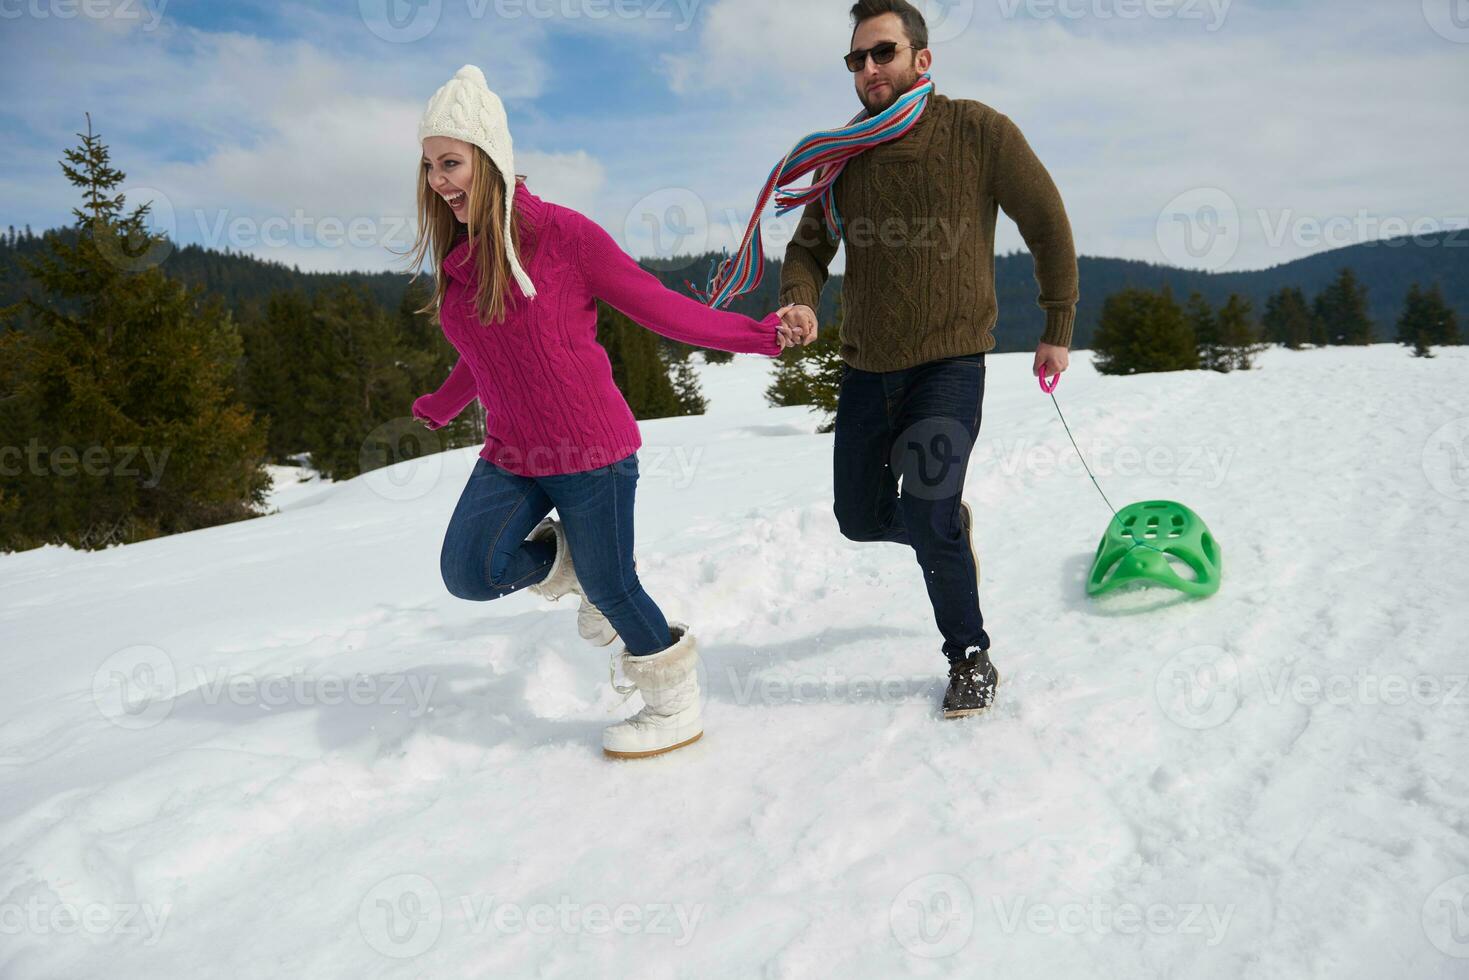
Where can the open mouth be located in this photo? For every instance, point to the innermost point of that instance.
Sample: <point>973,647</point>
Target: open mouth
<point>457,201</point>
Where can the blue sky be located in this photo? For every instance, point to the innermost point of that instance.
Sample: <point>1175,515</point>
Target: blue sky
<point>1205,133</point>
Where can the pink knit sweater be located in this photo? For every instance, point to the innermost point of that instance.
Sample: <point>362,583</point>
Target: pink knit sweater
<point>550,403</point>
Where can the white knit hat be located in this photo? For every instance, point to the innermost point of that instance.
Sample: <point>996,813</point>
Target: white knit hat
<point>464,108</point>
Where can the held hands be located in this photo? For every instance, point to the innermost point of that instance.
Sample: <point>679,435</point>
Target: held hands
<point>797,326</point>
<point>1050,361</point>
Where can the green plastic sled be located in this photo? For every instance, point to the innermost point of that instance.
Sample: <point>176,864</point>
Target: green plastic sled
<point>1137,545</point>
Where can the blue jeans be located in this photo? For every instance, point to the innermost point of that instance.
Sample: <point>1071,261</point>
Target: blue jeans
<point>486,554</point>
<point>919,424</point>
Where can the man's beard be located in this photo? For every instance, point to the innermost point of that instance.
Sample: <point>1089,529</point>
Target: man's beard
<point>898,87</point>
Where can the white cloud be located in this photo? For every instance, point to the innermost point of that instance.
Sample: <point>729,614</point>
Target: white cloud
<point>277,146</point>
<point>1305,113</point>
<point>1309,113</point>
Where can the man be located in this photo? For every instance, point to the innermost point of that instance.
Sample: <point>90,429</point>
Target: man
<point>918,217</point>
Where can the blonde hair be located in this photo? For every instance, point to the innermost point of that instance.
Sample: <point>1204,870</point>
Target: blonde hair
<point>438,233</point>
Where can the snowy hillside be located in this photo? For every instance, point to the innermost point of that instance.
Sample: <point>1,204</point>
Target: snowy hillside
<point>281,748</point>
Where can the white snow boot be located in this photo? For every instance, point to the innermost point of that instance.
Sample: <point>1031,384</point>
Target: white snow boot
<point>669,683</point>
<point>562,580</point>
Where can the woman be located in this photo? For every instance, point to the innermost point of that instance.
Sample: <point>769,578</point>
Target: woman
<point>516,295</point>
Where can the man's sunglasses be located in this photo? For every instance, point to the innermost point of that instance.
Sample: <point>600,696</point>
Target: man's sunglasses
<point>882,54</point>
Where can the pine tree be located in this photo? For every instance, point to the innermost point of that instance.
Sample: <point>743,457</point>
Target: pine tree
<point>353,385</point>
<point>1206,330</point>
<point>637,368</point>
<point>1287,319</point>
<point>1426,321</point>
<point>278,354</point>
<point>686,388</point>
<point>1341,309</point>
<point>426,358</point>
<point>812,374</point>
<point>1444,324</point>
<point>121,387</point>
<point>1142,331</point>
<point>1413,327</point>
<point>1238,337</point>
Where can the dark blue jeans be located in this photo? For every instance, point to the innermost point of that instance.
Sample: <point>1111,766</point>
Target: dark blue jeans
<point>920,425</point>
<point>486,555</point>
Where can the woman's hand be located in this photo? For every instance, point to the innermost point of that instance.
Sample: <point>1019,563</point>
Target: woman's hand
<point>783,330</point>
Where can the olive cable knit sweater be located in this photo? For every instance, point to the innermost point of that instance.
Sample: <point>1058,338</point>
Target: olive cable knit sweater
<point>918,221</point>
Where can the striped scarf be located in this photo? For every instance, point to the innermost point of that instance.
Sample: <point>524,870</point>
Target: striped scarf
<point>826,153</point>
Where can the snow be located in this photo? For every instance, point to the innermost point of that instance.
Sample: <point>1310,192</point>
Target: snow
<point>281,748</point>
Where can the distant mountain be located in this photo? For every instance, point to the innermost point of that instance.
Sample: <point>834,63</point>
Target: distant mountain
<point>242,281</point>
<point>1386,267</point>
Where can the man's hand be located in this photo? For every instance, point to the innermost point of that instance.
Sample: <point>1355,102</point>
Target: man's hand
<point>801,320</point>
<point>1050,361</point>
